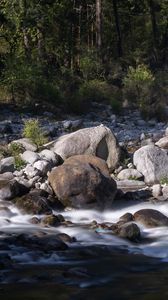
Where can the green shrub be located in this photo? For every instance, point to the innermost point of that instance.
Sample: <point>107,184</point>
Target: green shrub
<point>33,131</point>
<point>19,163</point>
<point>164,180</point>
<point>90,66</point>
<point>15,149</point>
<point>137,86</point>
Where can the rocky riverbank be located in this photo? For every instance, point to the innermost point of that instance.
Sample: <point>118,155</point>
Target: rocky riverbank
<point>101,180</point>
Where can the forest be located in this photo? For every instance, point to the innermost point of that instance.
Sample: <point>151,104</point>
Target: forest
<point>69,53</point>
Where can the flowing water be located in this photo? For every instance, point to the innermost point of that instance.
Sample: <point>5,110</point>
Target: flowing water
<point>96,266</point>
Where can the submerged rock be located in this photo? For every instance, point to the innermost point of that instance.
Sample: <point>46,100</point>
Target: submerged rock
<point>151,218</point>
<point>51,220</point>
<point>83,181</point>
<point>99,141</point>
<point>129,231</point>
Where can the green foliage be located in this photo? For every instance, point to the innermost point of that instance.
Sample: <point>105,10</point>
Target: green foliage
<point>138,81</point>
<point>138,86</point>
<point>90,66</point>
<point>164,180</point>
<point>15,149</point>
<point>48,52</point>
<point>133,178</point>
<point>33,131</point>
<point>19,163</point>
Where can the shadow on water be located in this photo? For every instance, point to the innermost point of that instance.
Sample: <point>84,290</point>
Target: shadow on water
<point>105,275</point>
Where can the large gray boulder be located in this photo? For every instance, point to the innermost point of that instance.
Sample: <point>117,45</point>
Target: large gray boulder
<point>83,181</point>
<point>152,162</point>
<point>98,141</point>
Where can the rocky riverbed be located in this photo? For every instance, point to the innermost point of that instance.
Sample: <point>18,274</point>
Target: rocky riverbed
<point>88,208</point>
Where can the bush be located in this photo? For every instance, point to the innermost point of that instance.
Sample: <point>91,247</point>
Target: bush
<point>90,66</point>
<point>137,85</point>
<point>14,150</point>
<point>33,131</point>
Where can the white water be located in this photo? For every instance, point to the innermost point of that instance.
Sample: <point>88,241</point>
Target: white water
<point>15,222</point>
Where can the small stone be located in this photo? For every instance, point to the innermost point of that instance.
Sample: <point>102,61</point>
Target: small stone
<point>7,164</point>
<point>163,143</point>
<point>132,174</point>
<point>34,220</point>
<point>156,190</point>
<point>31,172</point>
<point>43,166</point>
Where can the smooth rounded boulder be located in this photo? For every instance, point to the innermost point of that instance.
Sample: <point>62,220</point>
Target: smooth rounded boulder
<point>151,218</point>
<point>152,162</point>
<point>83,181</point>
<point>98,141</point>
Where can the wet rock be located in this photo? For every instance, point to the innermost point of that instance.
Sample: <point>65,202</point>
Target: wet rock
<point>40,242</point>
<point>83,181</point>
<point>99,141</point>
<point>11,189</point>
<point>26,144</point>
<point>128,217</point>
<point>129,174</point>
<point>50,220</point>
<point>65,238</point>
<point>129,231</point>
<point>151,218</point>
<point>33,203</point>
<point>7,164</point>
<point>152,162</point>
<point>30,156</point>
<point>34,220</point>
<point>6,212</point>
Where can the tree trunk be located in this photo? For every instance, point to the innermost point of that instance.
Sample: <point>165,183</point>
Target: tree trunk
<point>117,23</point>
<point>98,25</point>
<point>153,21</point>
